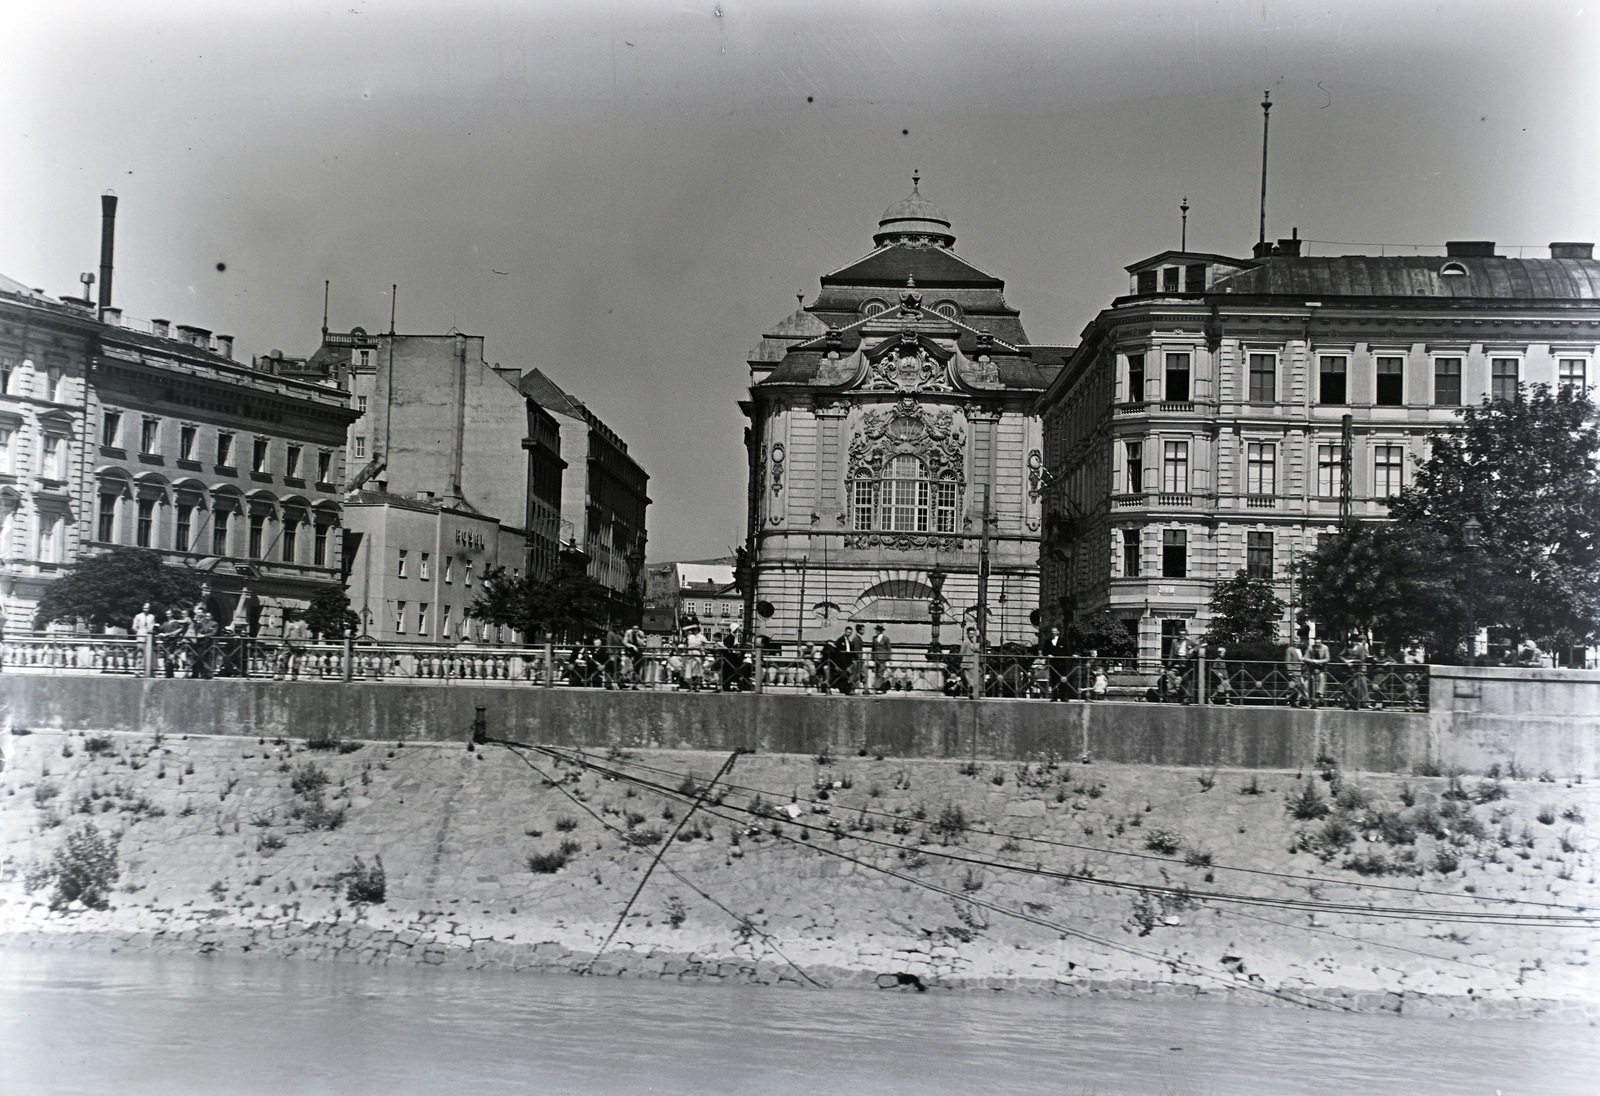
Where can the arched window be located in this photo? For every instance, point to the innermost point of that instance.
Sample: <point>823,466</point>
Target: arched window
<point>905,495</point>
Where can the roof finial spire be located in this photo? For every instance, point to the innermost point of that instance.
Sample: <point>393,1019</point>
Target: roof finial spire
<point>1183,244</point>
<point>801,299</point>
<point>916,177</point>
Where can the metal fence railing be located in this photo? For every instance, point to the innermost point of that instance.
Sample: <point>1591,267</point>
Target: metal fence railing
<point>826,669</point>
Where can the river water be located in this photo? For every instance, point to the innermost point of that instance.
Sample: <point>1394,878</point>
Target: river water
<point>82,1023</point>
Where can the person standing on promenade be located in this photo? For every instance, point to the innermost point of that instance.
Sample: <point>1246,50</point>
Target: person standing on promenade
<point>613,657</point>
<point>633,651</point>
<point>1357,691</point>
<point>971,661</point>
<point>882,649</point>
<point>204,630</point>
<point>1316,660</point>
<point>144,629</point>
<point>1184,659</point>
<point>855,644</point>
<point>694,657</point>
<point>1054,649</point>
<point>1295,670</point>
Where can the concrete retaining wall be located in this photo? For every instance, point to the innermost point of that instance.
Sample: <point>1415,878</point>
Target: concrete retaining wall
<point>1540,719</point>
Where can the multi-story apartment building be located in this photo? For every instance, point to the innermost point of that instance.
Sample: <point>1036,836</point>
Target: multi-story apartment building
<point>1227,412</point>
<point>883,416</point>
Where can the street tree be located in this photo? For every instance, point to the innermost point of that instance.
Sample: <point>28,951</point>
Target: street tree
<point>1400,583</point>
<point>110,587</point>
<point>329,615</point>
<point>1244,616</point>
<point>568,605</point>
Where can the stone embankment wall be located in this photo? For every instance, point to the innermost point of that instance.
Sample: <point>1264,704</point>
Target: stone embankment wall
<point>1538,720</point>
<point>1049,875</point>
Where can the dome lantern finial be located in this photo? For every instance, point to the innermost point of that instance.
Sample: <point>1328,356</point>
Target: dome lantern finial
<point>914,221</point>
<point>916,177</point>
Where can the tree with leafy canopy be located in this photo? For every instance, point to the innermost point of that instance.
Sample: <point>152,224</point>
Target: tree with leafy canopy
<point>110,587</point>
<point>568,605</point>
<point>329,615</point>
<point>1244,616</point>
<point>1103,634</point>
<point>1528,470</point>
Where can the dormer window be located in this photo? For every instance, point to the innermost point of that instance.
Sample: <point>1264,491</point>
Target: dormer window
<point>1169,279</point>
<point>1194,278</point>
<point>1147,281</point>
<point>1452,270</point>
<point>873,306</point>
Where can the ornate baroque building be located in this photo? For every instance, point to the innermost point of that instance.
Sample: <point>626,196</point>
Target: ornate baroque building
<point>1226,412</point>
<point>881,417</point>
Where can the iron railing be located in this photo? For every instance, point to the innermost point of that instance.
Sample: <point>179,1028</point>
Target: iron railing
<point>1004,674</point>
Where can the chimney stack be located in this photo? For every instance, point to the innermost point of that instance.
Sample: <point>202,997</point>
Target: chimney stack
<point>1469,249</point>
<point>111,317</point>
<point>108,239</point>
<point>159,329</point>
<point>1572,251</point>
<point>225,346</point>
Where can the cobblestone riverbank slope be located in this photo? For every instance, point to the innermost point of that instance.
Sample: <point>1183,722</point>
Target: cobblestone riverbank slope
<point>1432,894</point>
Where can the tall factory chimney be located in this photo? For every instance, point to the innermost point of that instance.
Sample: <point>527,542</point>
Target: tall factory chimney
<point>108,239</point>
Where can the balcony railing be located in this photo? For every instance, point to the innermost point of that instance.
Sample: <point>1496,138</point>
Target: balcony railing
<point>1177,500</point>
<point>1261,502</point>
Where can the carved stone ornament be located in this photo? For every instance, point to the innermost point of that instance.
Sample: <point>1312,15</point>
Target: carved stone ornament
<point>906,542</point>
<point>830,408</point>
<point>911,429</point>
<point>778,455</point>
<point>908,368</point>
<point>1036,476</point>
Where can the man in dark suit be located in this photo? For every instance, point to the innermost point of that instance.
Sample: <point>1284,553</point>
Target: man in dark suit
<point>856,643</point>
<point>1054,649</point>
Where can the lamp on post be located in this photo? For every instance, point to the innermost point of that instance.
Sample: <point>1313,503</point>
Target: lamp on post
<point>936,579</point>
<point>1472,539</point>
<point>635,562</point>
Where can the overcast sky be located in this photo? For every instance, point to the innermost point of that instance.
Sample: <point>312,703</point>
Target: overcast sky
<point>627,194</point>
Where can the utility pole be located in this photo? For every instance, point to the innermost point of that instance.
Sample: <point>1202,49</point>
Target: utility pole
<point>1266,119</point>
<point>983,595</point>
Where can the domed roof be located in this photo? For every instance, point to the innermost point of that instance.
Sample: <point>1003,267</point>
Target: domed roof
<point>914,220</point>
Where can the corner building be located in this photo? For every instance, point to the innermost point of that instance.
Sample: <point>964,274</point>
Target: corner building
<point>880,414</point>
<point>1222,415</point>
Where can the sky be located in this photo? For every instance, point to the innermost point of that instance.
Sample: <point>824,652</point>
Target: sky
<point>627,195</point>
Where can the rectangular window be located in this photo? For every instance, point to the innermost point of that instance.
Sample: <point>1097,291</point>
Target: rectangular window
<point>219,532</point>
<point>324,467</point>
<point>400,569</point>
<point>1175,468</point>
<point>422,618</point>
<point>1263,378</point>
<point>1330,461</point>
<point>1169,279</point>
<point>1177,378</point>
<point>1194,278</point>
<point>1174,553</point>
<point>6,434</point>
<point>359,449</point>
<point>110,426</point>
<point>862,502</point>
<point>54,467</point>
<point>1134,459</point>
<point>1146,281</point>
<point>449,568</point>
<point>1391,382</point>
<point>1258,555</point>
<point>225,450</point>
<point>361,405</point>
<point>400,617</point>
<point>1447,382</point>
<point>366,363</point>
<point>258,456</point>
<point>1135,378</point>
<point>422,567</point>
<point>466,573</point>
<point>1130,553</point>
<point>291,462</point>
<point>5,375</point>
<point>1388,468</point>
<point>1331,376</point>
<point>291,537</point>
<point>180,540</point>
<point>444,622</point>
<point>150,436</point>
<point>258,524</point>
<point>944,508</point>
<point>186,436</point>
<point>319,546</point>
<point>49,539</point>
<point>1261,468</point>
<point>147,522</point>
<point>1503,379</point>
<point>107,529</point>
<point>1573,376</point>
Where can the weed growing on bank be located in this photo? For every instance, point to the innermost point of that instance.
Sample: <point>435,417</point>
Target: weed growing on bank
<point>83,869</point>
<point>548,863</point>
<point>364,883</point>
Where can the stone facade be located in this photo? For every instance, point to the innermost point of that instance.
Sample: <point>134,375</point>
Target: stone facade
<point>881,417</point>
<point>1227,412</point>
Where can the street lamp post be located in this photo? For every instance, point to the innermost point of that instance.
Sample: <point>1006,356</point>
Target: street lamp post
<point>1472,538</point>
<point>936,579</point>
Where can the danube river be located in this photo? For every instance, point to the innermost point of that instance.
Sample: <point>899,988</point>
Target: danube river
<point>85,1023</point>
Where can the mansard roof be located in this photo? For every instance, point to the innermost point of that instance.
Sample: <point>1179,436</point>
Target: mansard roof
<point>1482,278</point>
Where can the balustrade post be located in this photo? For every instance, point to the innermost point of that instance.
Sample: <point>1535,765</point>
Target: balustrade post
<point>755,684</point>
<point>149,643</point>
<point>349,658</point>
<point>549,665</point>
<point>1201,681</point>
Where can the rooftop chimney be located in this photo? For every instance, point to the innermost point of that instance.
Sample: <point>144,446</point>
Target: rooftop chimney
<point>108,239</point>
<point>1470,249</point>
<point>194,336</point>
<point>1572,251</point>
<point>159,329</point>
<point>111,317</point>
<point>225,346</point>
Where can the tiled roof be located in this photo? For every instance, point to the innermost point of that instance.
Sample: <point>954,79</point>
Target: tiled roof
<point>1496,278</point>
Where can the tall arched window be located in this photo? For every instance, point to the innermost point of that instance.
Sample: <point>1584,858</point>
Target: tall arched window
<point>905,495</point>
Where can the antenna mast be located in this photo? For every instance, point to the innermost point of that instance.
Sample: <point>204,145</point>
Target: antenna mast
<point>325,310</point>
<point>1266,119</point>
<point>1184,209</point>
<point>393,290</point>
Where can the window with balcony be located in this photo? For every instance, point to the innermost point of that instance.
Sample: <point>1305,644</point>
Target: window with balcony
<point>110,428</point>
<point>145,529</point>
<point>291,462</point>
<point>1175,468</point>
<point>1130,553</point>
<point>1263,378</point>
<point>219,532</point>
<point>186,438</point>
<point>184,529</point>
<point>106,524</point>
<point>1261,469</point>
<point>1391,382</point>
<point>1388,470</point>
<point>1177,378</point>
<point>1258,555</point>
<point>1503,379</point>
<point>258,455</point>
<point>1447,382</point>
<point>1332,372</point>
<point>1133,461</point>
<point>150,437</point>
<point>258,526</point>
<point>1573,376</point>
<point>1135,378</point>
<point>1174,553</point>
<point>319,545</point>
<point>1330,465</point>
<point>225,450</point>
